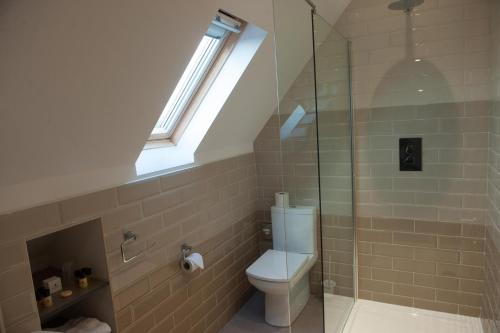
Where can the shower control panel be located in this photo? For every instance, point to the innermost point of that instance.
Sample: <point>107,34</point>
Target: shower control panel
<point>410,154</point>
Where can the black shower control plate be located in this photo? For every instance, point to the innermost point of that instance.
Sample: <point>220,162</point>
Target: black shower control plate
<point>410,154</point>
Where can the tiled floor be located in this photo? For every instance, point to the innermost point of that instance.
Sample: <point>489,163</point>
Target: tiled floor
<point>374,317</point>
<point>250,318</point>
<point>366,317</point>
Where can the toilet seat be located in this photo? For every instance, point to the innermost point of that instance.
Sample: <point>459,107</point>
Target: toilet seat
<point>277,266</point>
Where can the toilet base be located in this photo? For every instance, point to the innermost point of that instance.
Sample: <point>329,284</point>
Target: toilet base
<point>282,310</point>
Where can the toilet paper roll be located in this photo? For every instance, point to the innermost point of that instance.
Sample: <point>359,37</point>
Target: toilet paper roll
<point>281,199</point>
<point>192,262</point>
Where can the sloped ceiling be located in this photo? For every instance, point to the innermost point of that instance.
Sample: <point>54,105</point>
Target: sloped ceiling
<point>83,82</point>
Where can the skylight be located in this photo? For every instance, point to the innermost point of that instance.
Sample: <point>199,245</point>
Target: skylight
<point>200,95</point>
<point>200,71</point>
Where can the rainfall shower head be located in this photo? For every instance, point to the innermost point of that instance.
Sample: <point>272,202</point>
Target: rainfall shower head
<point>405,5</point>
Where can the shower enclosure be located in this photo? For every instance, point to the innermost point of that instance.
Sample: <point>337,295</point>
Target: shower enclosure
<point>314,122</point>
<point>423,78</point>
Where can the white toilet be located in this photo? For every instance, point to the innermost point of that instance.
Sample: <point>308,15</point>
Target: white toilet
<point>283,273</point>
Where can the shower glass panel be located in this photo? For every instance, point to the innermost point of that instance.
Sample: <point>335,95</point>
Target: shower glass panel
<point>335,154</point>
<point>313,125</point>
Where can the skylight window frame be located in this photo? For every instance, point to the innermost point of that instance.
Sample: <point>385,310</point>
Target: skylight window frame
<point>170,135</point>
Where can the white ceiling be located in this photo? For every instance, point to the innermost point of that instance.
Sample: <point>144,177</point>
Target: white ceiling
<point>82,84</point>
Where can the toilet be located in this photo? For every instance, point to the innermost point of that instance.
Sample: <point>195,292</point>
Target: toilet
<point>283,272</point>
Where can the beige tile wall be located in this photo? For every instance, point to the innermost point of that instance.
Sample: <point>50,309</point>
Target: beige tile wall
<point>451,38</point>
<point>491,301</point>
<point>425,264</point>
<point>443,97</point>
<point>211,207</point>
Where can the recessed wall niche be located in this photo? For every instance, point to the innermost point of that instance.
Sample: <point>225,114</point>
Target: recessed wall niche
<point>62,253</point>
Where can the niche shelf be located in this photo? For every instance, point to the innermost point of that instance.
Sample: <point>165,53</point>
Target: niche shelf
<point>82,246</point>
<point>61,304</point>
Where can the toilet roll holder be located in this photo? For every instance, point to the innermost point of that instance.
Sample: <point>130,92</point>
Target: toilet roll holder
<point>186,252</point>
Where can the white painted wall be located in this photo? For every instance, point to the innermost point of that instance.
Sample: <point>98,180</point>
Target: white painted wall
<point>82,84</point>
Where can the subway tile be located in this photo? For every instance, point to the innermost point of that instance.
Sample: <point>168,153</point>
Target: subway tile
<point>143,324</point>
<point>414,266</point>
<point>20,225</point>
<point>473,230</point>
<point>475,201</point>
<point>365,294</point>
<point>120,217</point>
<point>139,190</point>
<point>29,324</point>
<point>391,276</point>
<point>164,325</point>
<point>414,291</point>
<point>169,305</point>
<point>151,300</point>
<point>17,307</point>
<point>473,259</point>
<point>88,205</point>
<point>433,281</point>
<point>462,215</point>
<point>12,254</point>
<point>416,184</point>
<point>478,171</point>
<point>123,318</point>
<point>438,199</point>
<point>15,281</point>
<point>472,311</point>
<point>364,222</point>
<point>416,212</point>
<point>462,186</point>
<point>415,127</point>
<point>393,224</point>
<point>437,255</point>
<point>413,239</point>
<point>440,228</point>
<point>436,306</point>
<point>374,261</point>
<point>472,286</point>
<point>374,236</point>
<point>458,297</point>
<point>377,286</point>
<point>199,282</point>
<point>388,250</point>
<point>461,243</point>
<point>161,202</point>
<point>391,299</point>
<point>463,155</point>
<point>131,294</point>
<point>460,271</point>
<point>183,311</point>
<point>365,272</point>
<point>181,178</point>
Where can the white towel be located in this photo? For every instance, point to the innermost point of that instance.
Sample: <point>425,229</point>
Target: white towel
<point>81,325</point>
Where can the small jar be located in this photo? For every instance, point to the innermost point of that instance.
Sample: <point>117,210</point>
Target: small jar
<point>83,282</point>
<point>44,298</point>
<point>47,302</point>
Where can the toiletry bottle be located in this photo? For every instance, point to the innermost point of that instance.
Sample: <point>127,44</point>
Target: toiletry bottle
<point>82,279</point>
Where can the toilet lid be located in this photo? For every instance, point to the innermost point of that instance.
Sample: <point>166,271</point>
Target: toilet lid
<point>277,266</point>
